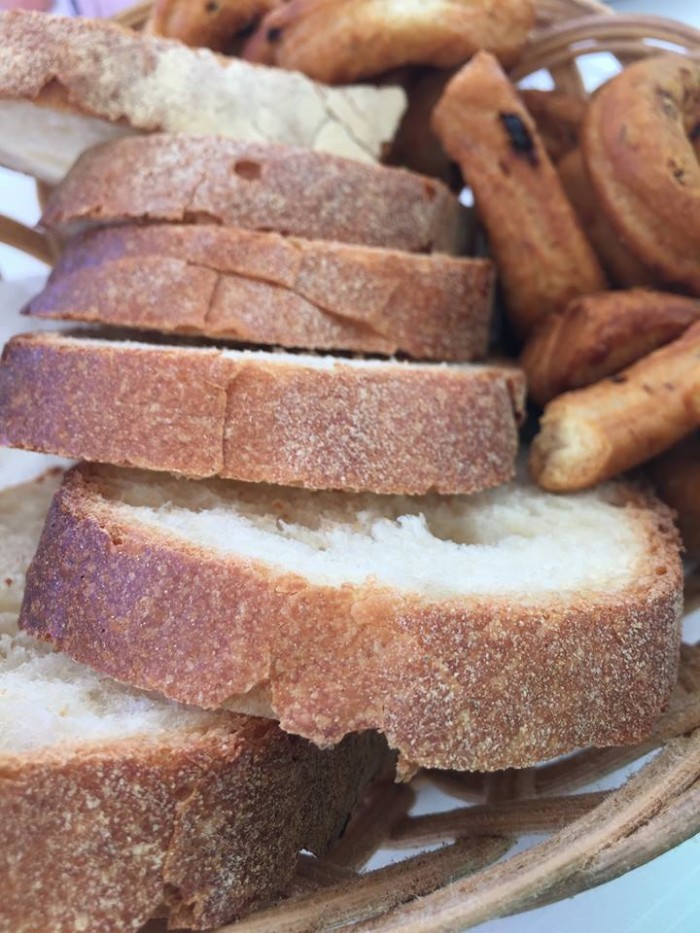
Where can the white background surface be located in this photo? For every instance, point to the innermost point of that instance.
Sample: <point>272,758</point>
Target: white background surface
<point>663,897</point>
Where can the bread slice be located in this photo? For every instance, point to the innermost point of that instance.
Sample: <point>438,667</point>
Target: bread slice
<point>262,288</point>
<point>67,83</point>
<point>476,633</point>
<point>210,179</point>
<point>297,420</point>
<point>116,805</point>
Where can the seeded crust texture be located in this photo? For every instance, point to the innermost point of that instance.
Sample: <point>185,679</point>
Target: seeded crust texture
<point>476,682</point>
<point>263,288</point>
<point>210,179</point>
<point>322,423</point>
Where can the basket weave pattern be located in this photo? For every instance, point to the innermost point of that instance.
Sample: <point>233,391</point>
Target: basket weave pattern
<point>590,836</point>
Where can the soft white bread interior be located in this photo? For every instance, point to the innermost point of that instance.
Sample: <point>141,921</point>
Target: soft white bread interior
<point>67,83</point>
<point>476,633</point>
<point>116,805</point>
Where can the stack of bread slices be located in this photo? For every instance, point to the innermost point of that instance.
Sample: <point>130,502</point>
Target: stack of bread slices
<point>298,502</point>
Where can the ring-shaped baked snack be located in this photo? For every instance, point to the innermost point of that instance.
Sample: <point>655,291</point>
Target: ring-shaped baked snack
<point>338,41</point>
<point>638,146</point>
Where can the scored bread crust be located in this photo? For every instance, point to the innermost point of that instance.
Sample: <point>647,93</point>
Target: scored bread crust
<point>210,179</point>
<point>263,288</point>
<point>82,80</point>
<point>195,826</point>
<point>380,427</point>
<point>467,682</point>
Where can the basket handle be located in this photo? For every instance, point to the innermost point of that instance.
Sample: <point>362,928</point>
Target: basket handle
<point>29,241</point>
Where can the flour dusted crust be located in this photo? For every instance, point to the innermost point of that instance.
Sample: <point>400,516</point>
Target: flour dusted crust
<point>67,83</point>
<point>316,422</point>
<point>465,682</point>
<point>262,288</point>
<point>297,192</point>
<point>200,826</point>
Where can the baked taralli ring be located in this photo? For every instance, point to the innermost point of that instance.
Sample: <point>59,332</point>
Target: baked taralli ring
<point>212,25</point>
<point>638,146</point>
<point>338,41</point>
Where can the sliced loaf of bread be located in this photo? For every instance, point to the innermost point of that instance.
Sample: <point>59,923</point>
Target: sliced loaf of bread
<point>67,83</point>
<point>116,805</point>
<point>263,288</point>
<point>476,633</point>
<point>297,420</point>
<point>211,179</point>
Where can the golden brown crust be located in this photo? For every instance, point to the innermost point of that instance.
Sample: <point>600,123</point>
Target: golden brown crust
<point>262,288</point>
<point>623,268</point>
<point>588,435</point>
<point>643,165</point>
<point>114,77</point>
<point>214,25</point>
<point>258,187</point>
<point>386,428</point>
<point>676,475</point>
<point>202,824</point>
<point>599,335</point>
<point>543,257</point>
<point>558,117</point>
<point>473,683</point>
<point>337,41</point>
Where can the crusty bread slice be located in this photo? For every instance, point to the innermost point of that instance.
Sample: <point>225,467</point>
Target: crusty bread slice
<point>115,804</point>
<point>476,633</point>
<point>263,288</point>
<point>67,83</point>
<point>210,179</point>
<point>296,420</point>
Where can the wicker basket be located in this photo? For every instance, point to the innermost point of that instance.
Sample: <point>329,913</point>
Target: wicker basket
<point>592,837</point>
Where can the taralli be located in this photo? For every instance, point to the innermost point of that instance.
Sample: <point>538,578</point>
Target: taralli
<point>336,41</point>
<point>599,335</point>
<point>213,25</point>
<point>543,257</point>
<point>558,117</point>
<point>623,268</point>
<point>591,434</point>
<point>676,475</point>
<point>643,166</point>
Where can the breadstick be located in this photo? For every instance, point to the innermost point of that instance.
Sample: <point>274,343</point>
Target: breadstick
<point>589,435</point>
<point>599,335</point>
<point>543,256</point>
<point>676,475</point>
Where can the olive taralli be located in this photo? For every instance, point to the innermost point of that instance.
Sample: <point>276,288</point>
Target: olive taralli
<point>639,147</point>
